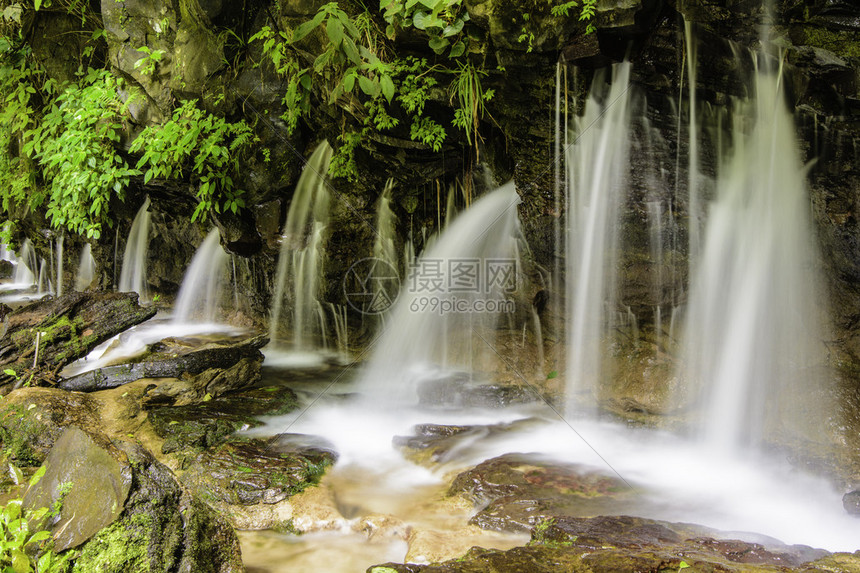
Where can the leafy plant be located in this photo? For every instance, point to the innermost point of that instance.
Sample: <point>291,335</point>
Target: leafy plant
<point>24,547</point>
<point>442,20</point>
<point>148,63</point>
<point>205,147</point>
<point>471,98</point>
<point>74,145</point>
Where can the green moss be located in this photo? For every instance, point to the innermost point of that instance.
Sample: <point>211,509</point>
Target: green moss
<point>20,434</point>
<point>118,548</point>
<point>841,42</point>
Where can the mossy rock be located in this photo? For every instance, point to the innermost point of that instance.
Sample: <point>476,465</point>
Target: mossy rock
<point>32,419</point>
<point>254,471</point>
<point>516,491</point>
<point>208,424</point>
<point>163,528</point>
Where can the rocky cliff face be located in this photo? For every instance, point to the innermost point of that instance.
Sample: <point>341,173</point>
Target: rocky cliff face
<point>205,53</point>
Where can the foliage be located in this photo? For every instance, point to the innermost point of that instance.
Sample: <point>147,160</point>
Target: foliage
<point>562,10</point>
<point>23,550</point>
<point>471,98</point>
<point>17,115</point>
<point>205,147</point>
<point>36,140</point>
<point>442,20</point>
<point>75,147</point>
<point>354,65</point>
<point>148,63</point>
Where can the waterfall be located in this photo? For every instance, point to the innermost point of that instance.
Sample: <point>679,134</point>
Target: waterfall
<point>432,326</point>
<point>86,269</point>
<point>300,263</point>
<point>655,240</point>
<point>597,168</point>
<point>59,268</point>
<point>43,283</point>
<point>386,267</point>
<point>25,269</point>
<point>133,275</point>
<point>753,333</point>
<point>200,293</point>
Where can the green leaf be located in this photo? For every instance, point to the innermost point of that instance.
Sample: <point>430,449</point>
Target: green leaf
<point>349,48</point>
<point>683,565</point>
<point>334,29</point>
<point>20,561</point>
<point>38,475</point>
<point>307,27</point>
<point>37,4</point>
<point>349,81</point>
<point>551,375</point>
<point>16,474</point>
<point>367,85</point>
<point>39,536</point>
<point>453,29</point>
<point>457,49</point>
<point>10,372</point>
<point>438,45</point>
<point>387,85</point>
<point>421,19</point>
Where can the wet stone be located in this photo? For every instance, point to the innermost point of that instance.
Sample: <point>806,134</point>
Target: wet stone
<point>100,481</point>
<point>851,502</point>
<point>250,472</point>
<point>208,424</point>
<point>621,543</point>
<point>519,490</point>
<point>169,358</point>
<point>436,442</point>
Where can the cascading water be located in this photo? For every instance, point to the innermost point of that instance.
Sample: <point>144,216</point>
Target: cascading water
<point>25,269</point>
<point>387,266</point>
<point>200,293</point>
<point>59,266</point>
<point>433,324</point>
<point>43,283</point>
<point>86,269</point>
<point>597,178</point>
<point>133,275</point>
<point>753,333</point>
<point>300,263</point>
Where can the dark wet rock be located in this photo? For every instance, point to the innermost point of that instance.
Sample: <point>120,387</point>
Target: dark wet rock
<point>252,472</point>
<point>172,359</point>
<point>209,423</point>
<point>851,502</point>
<point>7,269</point>
<point>315,448</point>
<point>68,328</point>
<point>516,491</point>
<point>459,391</point>
<point>435,442</point>
<point>98,478</point>
<point>32,419</point>
<point>162,528</point>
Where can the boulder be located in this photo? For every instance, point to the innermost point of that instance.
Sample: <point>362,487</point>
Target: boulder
<point>33,419</point>
<point>207,424</point>
<point>92,481</point>
<point>163,528</point>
